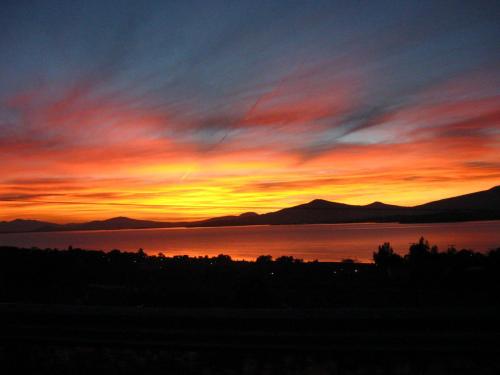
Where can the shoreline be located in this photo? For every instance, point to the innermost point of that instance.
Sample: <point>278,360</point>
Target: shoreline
<point>255,225</point>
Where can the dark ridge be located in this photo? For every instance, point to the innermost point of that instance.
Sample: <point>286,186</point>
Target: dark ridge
<point>249,214</point>
<point>378,204</point>
<point>483,200</point>
<point>319,204</point>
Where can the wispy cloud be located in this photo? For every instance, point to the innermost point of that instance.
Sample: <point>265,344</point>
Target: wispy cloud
<point>153,112</point>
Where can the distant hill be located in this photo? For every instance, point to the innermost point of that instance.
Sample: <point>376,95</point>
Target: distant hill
<point>482,200</point>
<point>321,211</point>
<point>120,222</point>
<point>20,225</point>
<point>483,205</point>
<point>247,218</point>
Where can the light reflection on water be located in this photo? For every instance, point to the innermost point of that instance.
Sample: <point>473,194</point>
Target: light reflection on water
<point>325,242</point>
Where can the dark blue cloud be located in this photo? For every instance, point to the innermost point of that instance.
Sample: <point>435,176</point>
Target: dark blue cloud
<point>206,64</point>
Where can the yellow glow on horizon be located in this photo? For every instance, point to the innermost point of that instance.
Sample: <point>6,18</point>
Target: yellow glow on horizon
<point>277,156</point>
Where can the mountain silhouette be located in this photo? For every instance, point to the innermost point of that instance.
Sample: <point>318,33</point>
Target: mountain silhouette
<point>119,222</point>
<point>380,205</point>
<point>482,200</point>
<point>21,225</point>
<point>482,205</point>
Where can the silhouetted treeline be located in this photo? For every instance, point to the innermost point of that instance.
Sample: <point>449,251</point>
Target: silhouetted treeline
<point>423,277</point>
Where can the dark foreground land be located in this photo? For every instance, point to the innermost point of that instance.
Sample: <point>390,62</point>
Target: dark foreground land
<point>77,312</point>
<point>80,340</point>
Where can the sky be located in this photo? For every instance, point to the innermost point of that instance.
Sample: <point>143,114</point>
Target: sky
<point>181,110</point>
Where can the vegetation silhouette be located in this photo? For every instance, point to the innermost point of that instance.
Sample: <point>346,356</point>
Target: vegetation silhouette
<point>67,310</point>
<point>422,277</point>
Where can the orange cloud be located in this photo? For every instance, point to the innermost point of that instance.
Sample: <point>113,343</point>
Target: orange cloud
<point>83,154</point>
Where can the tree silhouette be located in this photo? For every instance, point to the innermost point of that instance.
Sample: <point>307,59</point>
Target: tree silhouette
<point>419,251</point>
<point>264,259</point>
<point>386,259</point>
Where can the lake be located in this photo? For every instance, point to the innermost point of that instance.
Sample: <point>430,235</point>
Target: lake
<point>325,242</point>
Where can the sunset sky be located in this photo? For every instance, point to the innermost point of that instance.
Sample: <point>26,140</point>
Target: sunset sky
<point>184,110</point>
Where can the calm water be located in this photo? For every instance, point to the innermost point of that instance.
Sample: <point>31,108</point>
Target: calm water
<point>322,242</point>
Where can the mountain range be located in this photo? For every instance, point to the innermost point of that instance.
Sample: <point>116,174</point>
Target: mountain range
<point>482,205</point>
